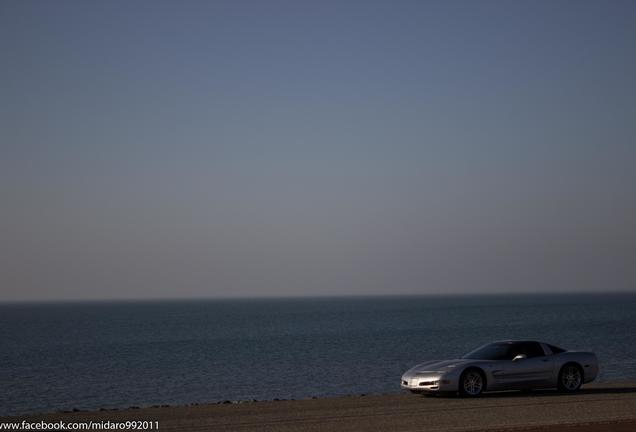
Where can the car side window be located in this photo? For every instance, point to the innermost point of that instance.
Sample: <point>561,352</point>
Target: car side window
<point>514,350</point>
<point>555,349</point>
<point>533,349</point>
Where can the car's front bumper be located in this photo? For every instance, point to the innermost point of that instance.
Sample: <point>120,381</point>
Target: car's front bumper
<point>428,383</point>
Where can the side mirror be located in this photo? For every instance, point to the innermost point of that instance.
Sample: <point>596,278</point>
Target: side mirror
<point>519,357</point>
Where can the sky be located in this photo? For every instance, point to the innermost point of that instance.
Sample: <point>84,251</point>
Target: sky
<point>187,149</point>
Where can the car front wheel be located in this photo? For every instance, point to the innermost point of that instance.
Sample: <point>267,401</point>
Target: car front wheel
<point>570,378</point>
<point>472,383</point>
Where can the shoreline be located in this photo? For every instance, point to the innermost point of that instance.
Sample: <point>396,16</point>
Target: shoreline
<point>596,407</point>
<point>193,404</point>
<point>590,387</point>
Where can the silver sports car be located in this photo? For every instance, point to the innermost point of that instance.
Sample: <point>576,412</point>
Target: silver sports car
<point>504,365</point>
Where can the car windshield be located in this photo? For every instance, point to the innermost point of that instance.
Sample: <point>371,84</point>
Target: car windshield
<point>494,351</point>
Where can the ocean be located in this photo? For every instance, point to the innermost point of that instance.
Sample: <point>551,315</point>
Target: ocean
<point>91,355</point>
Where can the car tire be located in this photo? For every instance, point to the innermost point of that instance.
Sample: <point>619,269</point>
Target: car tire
<point>472,383</point>
<point>570,378</point>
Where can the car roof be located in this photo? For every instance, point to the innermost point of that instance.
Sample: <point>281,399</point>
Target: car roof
<point>510,341</point>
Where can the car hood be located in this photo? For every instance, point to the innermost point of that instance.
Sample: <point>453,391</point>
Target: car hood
<point>437,366</point>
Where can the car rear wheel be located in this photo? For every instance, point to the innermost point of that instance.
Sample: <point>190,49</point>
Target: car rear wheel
<point>570,378</point>
<point>472,383</point>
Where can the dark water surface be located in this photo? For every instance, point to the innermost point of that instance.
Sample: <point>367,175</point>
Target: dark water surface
<point>59,356</point>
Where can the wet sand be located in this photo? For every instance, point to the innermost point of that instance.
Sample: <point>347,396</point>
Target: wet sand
<point>597,407</point>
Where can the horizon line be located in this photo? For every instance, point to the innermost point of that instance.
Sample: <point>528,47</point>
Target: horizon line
<point>305,297</point>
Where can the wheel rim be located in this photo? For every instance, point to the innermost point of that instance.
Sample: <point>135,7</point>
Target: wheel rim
<point>571,378</point>
<point>473,383</point>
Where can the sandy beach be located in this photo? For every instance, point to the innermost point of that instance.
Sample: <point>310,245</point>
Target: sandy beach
<point>598,407</point>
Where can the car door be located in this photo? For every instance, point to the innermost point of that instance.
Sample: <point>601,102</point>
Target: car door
<point>533,371</point>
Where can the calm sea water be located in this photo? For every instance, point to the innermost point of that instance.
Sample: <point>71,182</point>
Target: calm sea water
<point>117,354</point>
